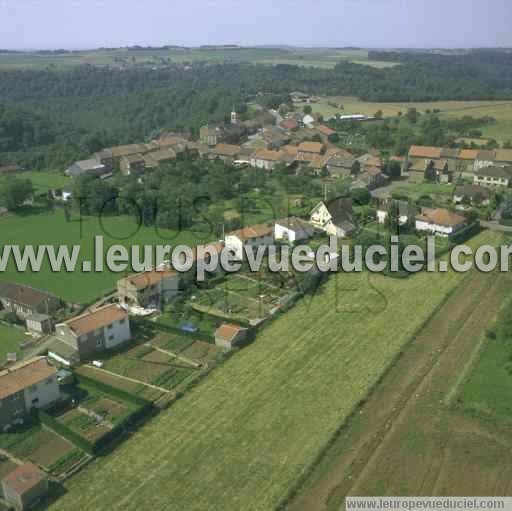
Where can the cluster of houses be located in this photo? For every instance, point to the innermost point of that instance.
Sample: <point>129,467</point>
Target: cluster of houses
<point>491,168</point>
<point>262,142</point>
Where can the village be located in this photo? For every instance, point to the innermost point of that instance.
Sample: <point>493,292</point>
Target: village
<point>91,375</point>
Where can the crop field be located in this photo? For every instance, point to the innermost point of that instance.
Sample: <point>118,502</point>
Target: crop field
<point>265,415</point>
<point>53,229</point>
<point>313,57</point>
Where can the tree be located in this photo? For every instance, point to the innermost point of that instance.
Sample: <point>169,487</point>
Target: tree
<point>430,172</point>
<point>307,109</point>
<point>393,169</point>
<point>379,115</point>
<point>356,168</point>
<point>361,196</point>
<point>15,192</point>
<point>412,115</point>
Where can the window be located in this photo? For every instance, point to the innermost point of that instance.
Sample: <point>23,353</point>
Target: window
<point>99,343</point>
<point>49,381</point>
<point>109,327</point>
<point>110,337</point>
<point>32,388</point>
<point>122,321</point>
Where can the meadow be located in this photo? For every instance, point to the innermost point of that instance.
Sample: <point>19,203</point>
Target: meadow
<point>247,434</point>
<point>10,340</point>
<point>42,181</point>
<point>52,228</point>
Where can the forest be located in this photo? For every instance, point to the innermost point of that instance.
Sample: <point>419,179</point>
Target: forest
<point>49,118</point>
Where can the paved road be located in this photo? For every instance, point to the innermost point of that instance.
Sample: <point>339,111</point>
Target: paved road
<point>495,226</point>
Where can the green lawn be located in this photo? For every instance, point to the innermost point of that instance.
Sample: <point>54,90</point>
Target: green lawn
<point>10,340</point>
<point>53,229</point>
<point>42,180</point>
<point>244,436</point>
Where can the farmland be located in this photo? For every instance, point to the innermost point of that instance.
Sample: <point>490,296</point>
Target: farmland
<point>53,229</point>
<point>314,57</point>
<point>268,412</point>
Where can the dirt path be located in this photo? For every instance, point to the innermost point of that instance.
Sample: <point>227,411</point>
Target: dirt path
<point>403,441</point>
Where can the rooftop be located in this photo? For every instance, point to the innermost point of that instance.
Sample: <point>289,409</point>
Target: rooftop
<point>311,147</point>
<point>441,216</point>
<point>24,374</point>
<point>228,331</point>
<point>254,231</point>
<point>150,277</point>
<point>24,295</point>
<point>23,478</point>
<point>98,318</point>
<point>417,151</point>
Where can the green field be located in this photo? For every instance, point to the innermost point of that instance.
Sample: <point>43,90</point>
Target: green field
<point>245,436</point>
<point>53,229</point>
<point>42,181</point>
<point>315,57</point>
<point>500,110</point>
<point>10,340</point>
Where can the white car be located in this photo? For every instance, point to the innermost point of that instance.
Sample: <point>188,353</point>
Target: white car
<point>97,363</point>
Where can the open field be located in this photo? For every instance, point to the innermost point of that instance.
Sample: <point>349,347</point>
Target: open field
<point>53,229</point>
<point>314,57</point>
<point>10,340</point>
<point>266,414</point>
<point>42,180</point>
<point>406,424</point>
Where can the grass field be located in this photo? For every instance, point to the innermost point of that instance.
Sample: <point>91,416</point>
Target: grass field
<point>42,180</point>
<point>53,229</point>
<point>317,57</point>
<point>10,340</point>
<point>265,414</point>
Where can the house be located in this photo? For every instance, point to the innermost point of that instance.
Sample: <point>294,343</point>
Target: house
<point>265,159</point>
<point>254,236</point>
<point>466,162</point>
<point>372,177</point>
<point>227,336</point>
<point>472,194</point>
<point>308,150</point>
<point>90,167</point>
<point>299,97</point>
<point>210,135</point>
<point>118,152</point>
<point>274,138</point>
<point>484,159</point>
<point>95,330</point>
<point>341,164</point>
<point>39,324</point>
<point>25,486</point>
<point>25,300</point>
<point>155,158</point>
<point>225,152</point>
<point>326,133</point>
<point>293,229</point>
<point>289,125</point>
<point>308,120</point>
<point>334,218</point>
<point>24,386</point>
<point>406,212</point>
<point>150,289</point>
<point>503,157</point>
<point>493,176</point>
<point>439,221</point>
<point>132,163</point>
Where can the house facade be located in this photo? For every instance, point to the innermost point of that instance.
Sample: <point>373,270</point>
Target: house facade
<point>95,331</point>
<point>24,486</point>
<point>149,289</point>
<point>265,159</point>
<point>439,221</point>
<point>493,177</point>
<point>293,229</point>
<point>254,236</point>
<point>24,386</point>
<point>334,218</point>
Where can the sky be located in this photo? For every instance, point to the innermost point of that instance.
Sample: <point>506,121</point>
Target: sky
<point>77,24</point>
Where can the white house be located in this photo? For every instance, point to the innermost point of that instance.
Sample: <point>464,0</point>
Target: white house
<point>308,120</point>
<point>253,236</point>
<point>293,229</point>
<point>439,221</point>
<point>265,159</point>
<point>492,176</point>
<point>26,385</point>
<point>334,218</point>
<point>96,330</point>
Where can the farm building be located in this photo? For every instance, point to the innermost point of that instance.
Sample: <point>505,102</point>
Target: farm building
<point>25,300</point>
<point>95,331</point>
<point>472,194</point>
<point>265,159</point>
<point>493,177</point>
<point>293,229</point>
<point>439,221</point>
<point>254,236</point>
<point>132,163</point>
<point>225,152</point>
<point>26,385</point>
<point>90,167</point>
<point>149,289</point>
<point>24,486</point>
<point>227,336</point>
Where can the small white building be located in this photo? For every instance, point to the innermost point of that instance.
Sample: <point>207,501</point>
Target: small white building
<point>406,212</point>
<point>308,121</point>
<point>293,229</point>
<point>334,218</point>
<point>265,159</point>
<point>254,236</point>
<point>39,323</point>
<point>439,221</point>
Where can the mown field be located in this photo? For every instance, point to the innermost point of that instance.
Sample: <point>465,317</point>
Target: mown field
<point>244,437</point>
<point>500,110</point>
<point>10,340</point>
<point>314,57</point>
<point>53,229</point>
<point>42,181</point>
